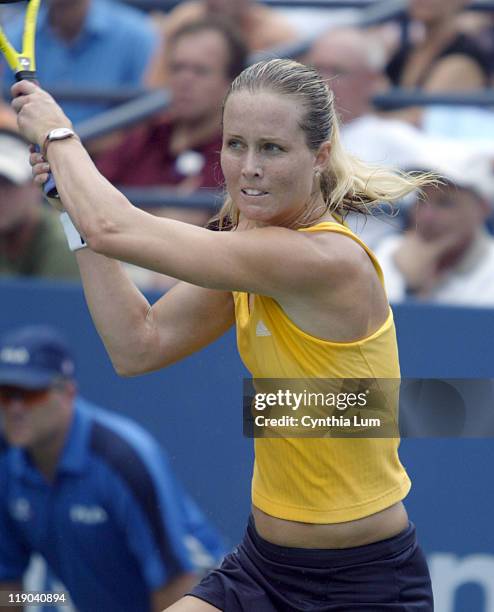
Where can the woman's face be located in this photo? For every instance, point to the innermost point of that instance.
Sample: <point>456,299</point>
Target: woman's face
<point>268,167</point>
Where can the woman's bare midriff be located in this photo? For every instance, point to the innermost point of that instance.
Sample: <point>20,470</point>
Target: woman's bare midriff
<point>374,528</point>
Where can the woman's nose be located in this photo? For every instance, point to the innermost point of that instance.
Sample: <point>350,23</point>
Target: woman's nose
<point>251,165</point>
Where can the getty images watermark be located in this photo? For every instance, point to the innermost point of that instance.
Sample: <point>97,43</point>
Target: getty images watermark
<point>285,398</point>
<point>368,408</point>
<point>319,408</point>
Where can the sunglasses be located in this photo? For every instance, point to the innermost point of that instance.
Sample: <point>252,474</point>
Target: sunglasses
<point>29,397</point>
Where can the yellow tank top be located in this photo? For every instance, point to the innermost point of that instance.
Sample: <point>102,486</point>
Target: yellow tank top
<point>319,480</point>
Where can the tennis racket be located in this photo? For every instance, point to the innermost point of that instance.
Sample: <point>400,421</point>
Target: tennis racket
<point>23,65</point>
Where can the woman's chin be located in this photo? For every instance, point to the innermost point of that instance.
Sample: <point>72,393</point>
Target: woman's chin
<point>254,214</point>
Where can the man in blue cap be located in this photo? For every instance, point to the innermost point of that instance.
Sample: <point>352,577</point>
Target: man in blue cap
<point>90,491</point>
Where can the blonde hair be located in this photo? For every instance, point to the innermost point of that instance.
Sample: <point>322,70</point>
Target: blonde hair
<point>346,184</point>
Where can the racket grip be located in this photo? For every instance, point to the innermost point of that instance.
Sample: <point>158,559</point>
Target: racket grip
<point>27,75</point>
<point>49,188</point>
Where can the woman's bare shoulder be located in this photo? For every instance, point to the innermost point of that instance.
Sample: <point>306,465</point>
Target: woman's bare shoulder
<point>341,250</point>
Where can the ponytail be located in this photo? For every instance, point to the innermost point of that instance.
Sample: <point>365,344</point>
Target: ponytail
<point>351,185</point>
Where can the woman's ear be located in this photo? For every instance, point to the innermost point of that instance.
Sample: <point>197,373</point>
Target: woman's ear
<point>323,156</point>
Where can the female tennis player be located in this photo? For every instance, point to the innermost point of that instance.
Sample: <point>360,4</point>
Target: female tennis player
<point>328,529</point>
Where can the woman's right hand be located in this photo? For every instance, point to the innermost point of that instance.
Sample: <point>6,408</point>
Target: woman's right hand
<point>37,112</point>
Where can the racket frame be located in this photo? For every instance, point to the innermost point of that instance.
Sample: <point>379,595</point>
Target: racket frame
<point>23,63</point>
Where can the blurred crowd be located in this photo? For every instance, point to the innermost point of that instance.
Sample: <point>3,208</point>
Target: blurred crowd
<point>437,246</point>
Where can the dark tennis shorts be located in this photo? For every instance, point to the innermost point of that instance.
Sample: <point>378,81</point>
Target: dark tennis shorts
<point>261,577</point>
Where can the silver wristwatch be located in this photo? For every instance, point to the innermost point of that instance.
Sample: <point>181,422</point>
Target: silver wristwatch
<point>61,133</point>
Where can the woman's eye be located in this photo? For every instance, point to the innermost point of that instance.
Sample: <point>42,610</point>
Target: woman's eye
<point>272,147</point>
<point>234,144</point>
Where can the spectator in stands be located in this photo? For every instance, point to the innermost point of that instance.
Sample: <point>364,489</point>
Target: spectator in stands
<point>466,122</point>
<point>444,58</point>
<point>352,60</point>
<point>31,240</point>
<point>446,256</point>
<point>183,151</point>
<point>90,44</point>
<point>261,26</point>
<point>90,491</point>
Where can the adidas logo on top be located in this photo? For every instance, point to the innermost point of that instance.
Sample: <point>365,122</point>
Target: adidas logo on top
<point>261,329</point>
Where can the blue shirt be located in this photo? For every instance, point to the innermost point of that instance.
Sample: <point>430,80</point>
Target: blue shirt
<point>112,50</point>
<point>114,524</point>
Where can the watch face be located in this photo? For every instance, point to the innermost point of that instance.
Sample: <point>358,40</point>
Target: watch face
<point>59,133</point>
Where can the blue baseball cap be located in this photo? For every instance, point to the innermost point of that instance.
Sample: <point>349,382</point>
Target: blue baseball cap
<point>34,357</point>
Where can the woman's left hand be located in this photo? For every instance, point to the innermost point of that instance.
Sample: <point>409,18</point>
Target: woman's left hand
<point>40,167</point>
<point>37,112</point>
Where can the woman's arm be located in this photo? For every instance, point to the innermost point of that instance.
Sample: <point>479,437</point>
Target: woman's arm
<point>455,72</point>
<point>140,338</point>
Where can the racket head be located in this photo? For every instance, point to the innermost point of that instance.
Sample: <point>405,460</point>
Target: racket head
<point>23,61</point>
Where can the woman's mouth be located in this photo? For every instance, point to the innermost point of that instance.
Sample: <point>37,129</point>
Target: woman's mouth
<point>254,192</point>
